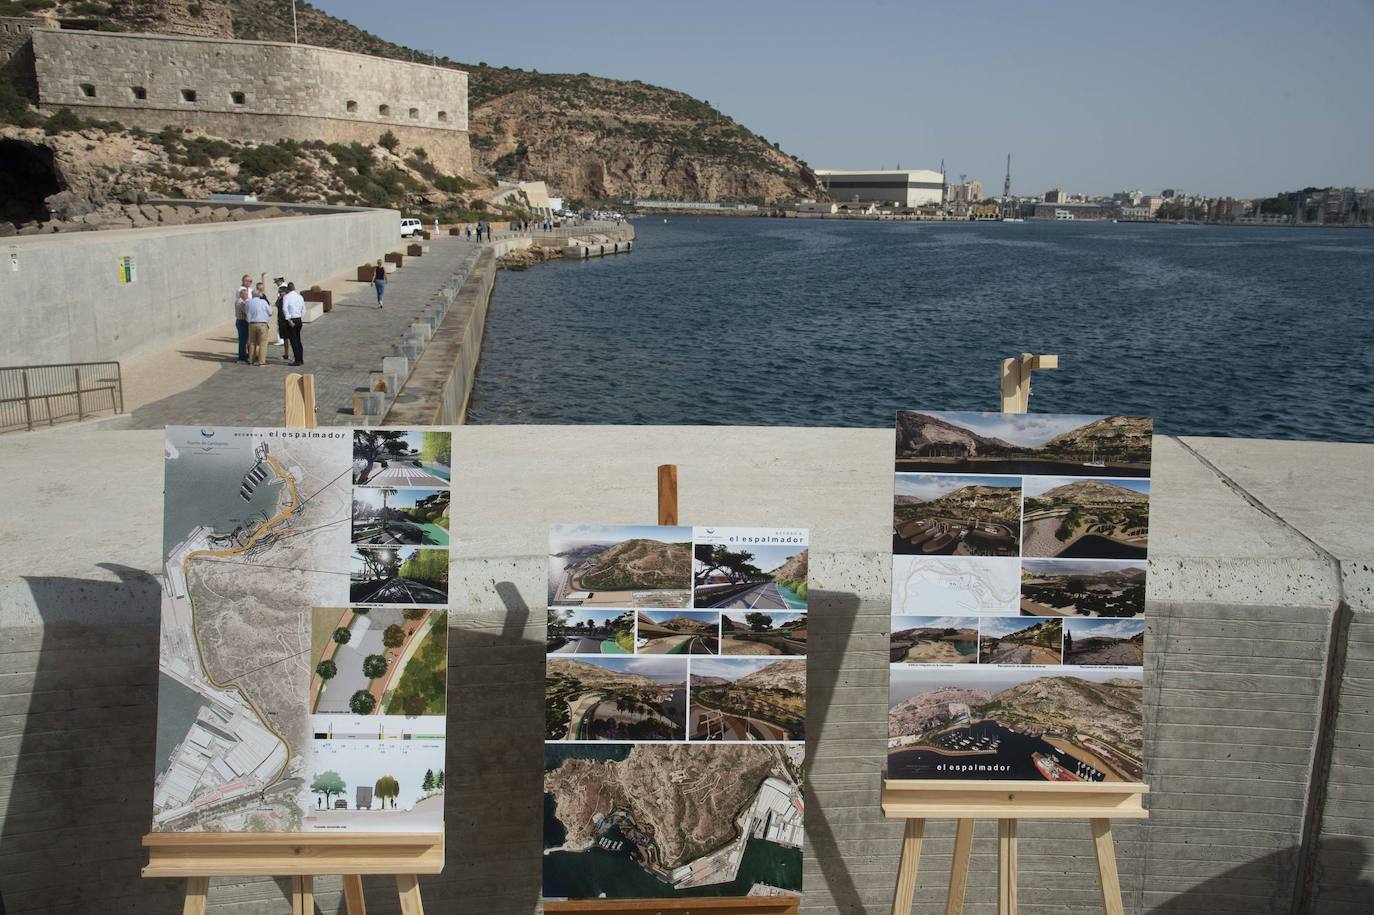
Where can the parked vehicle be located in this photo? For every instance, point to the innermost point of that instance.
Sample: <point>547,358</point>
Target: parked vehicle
<point>411,228</point>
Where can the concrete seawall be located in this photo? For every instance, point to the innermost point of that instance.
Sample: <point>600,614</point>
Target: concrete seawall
<point>1259,709</point>
<point>63,297</point>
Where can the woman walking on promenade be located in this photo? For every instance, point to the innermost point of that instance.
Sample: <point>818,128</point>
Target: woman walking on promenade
<point>379,282</point>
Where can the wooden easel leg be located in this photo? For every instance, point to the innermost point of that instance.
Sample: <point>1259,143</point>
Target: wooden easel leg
<point>1106,867</point>
<point>958,871</point>
<point>1006,867</point>
<point>409,889</point>
<point>197,888</point>
<point>302,896</point>
<point>353,894</point>
<point>907,869</point>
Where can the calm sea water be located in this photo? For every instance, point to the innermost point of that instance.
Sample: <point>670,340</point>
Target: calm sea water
<point>1251,332</point>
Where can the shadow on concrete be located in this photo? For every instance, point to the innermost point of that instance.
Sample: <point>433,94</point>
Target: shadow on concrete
<point>830,621</point>
<point>1338,885</point>
<point>83,765</point>
<point>201,355</point>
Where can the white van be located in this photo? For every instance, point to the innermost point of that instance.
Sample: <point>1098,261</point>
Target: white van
<point>411,227</point>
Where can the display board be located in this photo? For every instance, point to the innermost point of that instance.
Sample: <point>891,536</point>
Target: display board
<point>675,712</point>
<point>304,650</point>
<point>1017,646</point>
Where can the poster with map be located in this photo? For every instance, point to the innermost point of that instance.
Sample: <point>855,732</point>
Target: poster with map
<point>675,712</point>
<point>1017,647</point>
<point>304,647</point>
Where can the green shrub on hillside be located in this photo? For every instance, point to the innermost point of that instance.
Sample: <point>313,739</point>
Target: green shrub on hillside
<point>14,108</point>
<point>265,159</point>
<point>354,156</point>
<point>389,142</point>
<point>61,121</point>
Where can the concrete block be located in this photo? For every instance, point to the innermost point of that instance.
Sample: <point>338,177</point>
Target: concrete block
<point>313,312</point>
<point>368,403</point>
<point>396,365</point>
<point>411,349</point>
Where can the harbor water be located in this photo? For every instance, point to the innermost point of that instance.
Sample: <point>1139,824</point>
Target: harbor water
<point>1241,331</point>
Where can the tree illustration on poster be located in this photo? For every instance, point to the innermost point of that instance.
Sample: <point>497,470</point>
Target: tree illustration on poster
<point>675,712</point>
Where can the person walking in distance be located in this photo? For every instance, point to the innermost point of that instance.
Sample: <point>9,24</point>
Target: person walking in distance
<point>241,318</point>
<point>259,312</point>
<point>379,282</point>
<point>293,308</point>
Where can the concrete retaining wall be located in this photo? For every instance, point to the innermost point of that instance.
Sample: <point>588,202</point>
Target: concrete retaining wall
<point>65,301</point>
<point>1258,708</point>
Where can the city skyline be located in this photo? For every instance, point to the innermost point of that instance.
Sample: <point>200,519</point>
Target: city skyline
<point>1185,96</point>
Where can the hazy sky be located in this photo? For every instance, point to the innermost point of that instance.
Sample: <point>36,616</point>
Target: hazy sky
<point>1237,97</point>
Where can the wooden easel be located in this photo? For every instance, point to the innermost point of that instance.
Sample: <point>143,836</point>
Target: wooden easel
<point>918,800</point>
<point>198,856</point>
<point>735,905</point>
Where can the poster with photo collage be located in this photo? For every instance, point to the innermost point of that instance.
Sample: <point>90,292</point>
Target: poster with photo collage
<point>1019,547</point>
<point>675,711</point>
<point>304,648</point>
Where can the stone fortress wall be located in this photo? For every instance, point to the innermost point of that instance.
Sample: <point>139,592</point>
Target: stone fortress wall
<point>260,91</point>
<point>16,53</point>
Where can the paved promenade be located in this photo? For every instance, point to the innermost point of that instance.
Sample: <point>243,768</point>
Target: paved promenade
<point>341,348</point>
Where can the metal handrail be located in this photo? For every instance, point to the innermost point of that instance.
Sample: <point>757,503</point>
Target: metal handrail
<point>31,394</point>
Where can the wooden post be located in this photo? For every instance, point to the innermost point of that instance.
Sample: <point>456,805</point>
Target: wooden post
<point>303,895</point>
<point>1106,867</point>
<point>353,894</point>
<point>667,495</point>
<point>958,870</point>
<point>1016,379</point>
<point>300,401</point>
<point>197,888</point>
<point>1006,867</point>
<point>908,868</point>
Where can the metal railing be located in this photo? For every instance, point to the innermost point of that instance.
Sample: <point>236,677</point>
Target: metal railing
<point>36,395</point>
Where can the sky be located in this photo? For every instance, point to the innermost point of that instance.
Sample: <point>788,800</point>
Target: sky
<point>1224,97</point>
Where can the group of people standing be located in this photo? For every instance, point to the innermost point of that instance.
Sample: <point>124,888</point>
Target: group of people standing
<point>253,313</point>
<point>480,228</point>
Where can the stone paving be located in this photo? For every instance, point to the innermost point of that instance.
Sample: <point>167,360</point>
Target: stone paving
<point>341,349</point>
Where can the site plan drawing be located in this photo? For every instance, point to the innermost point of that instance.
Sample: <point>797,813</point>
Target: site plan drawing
<point>282,705</point>
<point>675,712</point>
<point>1017,644</point>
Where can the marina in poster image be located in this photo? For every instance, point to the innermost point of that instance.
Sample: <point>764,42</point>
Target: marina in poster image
<point>620,566</point>
<point>1007,722</point>
<point>663,820</point>
<point>1024,443</point>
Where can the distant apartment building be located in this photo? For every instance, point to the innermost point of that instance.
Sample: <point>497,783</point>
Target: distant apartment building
<point>1067,210</point>
<point>902,188</point>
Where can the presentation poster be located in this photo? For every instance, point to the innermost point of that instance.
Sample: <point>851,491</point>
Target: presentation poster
<point>304,649</point>
<point>675,712</point>
<point>1019,545</point>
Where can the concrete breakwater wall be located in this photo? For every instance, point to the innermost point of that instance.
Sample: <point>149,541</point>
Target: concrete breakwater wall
<point>439,385</point>
<point>1259,706</point>
<point>108,295</point>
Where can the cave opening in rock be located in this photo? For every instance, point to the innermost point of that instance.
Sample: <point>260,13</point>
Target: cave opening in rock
<point>27,178</point>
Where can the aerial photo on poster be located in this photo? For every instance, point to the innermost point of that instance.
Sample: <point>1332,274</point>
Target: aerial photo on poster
<point>943,515</point>
<point>1104,641</point>
<point>387,516</point>
<point>389,457</point>
<point>573,630</point>
<point>398,575</point>
<point>762,632</point>
<point>1020,640</point>
<point>615,698</point>
<point>1024,443</point>
<point>621,566</point>
<point>1089,587</point>
<point>677,632</point>
<point>922,585</point>
<point>1076,518</point>
<point>1032,723</point>
<point>934,640</point>
<point>748,699</point>
<point>379,661</point>
<point>649,821</point>
<point>749,576</point>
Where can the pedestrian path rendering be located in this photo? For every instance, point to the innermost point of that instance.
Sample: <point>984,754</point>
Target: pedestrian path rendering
<point>341,349</point>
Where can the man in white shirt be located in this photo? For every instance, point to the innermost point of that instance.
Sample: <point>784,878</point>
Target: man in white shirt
<point>259,313</point>
<point>293,309</point>
<point>240,319</point>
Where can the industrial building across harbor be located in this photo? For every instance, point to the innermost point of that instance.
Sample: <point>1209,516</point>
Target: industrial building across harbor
<point>903,187</point>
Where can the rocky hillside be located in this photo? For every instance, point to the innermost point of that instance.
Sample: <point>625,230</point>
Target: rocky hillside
<point>794,569</point>
<point>589,137</point>
<point>638,563</point>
